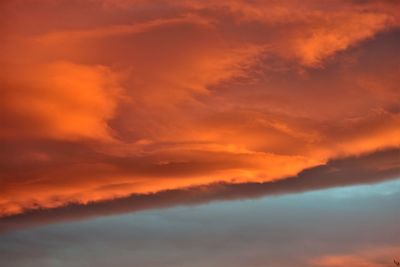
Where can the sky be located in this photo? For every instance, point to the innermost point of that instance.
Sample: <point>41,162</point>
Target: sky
<point>354,226</point>
<point>130,114</point>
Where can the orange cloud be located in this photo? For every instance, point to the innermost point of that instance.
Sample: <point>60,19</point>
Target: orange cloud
<point>373,257</point>
<point>140,96</point>
<point>336,33</point>
<point>367,169</point>
<point>59,100</point>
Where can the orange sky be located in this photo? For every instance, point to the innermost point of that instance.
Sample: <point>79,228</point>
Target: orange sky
<point>101,99</point>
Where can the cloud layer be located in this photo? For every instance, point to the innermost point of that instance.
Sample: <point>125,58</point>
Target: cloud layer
<point>377,167</point>
<point>103,99</point>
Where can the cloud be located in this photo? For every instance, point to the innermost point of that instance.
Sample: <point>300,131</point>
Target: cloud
<point>60,100</point>
<point>337,33</point>
<point>373,168</point>
<point>373,257</point>
<point>313,33</point>
<point>115,30</point>
<point>63,173</point>
<point>105,99</point>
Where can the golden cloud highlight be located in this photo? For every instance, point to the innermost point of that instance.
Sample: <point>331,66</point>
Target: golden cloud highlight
<point>59,100</point>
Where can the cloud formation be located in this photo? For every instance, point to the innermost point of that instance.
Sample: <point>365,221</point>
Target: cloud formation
<point>374,257</point>
<point>108,98</point>
<point>373,168</point>
<point>60,100</point>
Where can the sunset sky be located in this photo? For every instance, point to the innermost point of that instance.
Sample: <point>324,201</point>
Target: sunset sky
<point>199,133</point>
